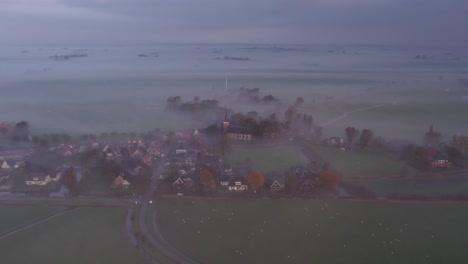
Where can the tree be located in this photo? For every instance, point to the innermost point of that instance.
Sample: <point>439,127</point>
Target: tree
<point>299,101</point>
<point>21,131</point>
<point>351,133</point>
<point>460,142</point>
<point>432,137</point>
<point>255,181</point>
<point>143,179</point>
<point>289,113</point>
<point>69,181</point>
<point>329,179</point>
<point>366,137</point>
<point>208,180</point>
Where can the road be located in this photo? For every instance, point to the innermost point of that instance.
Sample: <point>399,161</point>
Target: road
<point>173,254</point>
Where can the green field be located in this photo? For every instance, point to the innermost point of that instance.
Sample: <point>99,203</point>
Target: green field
<point>435,186</point>
<point>83,235</point>
<point>353,163</point>
<point>13,217</point>
<point>267,159</point>
<point>306,231</point>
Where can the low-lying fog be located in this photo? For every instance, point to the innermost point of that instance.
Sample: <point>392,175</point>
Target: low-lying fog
<point>91,89</point>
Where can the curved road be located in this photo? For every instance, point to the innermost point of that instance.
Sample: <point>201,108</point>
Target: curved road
<point>173,254</point>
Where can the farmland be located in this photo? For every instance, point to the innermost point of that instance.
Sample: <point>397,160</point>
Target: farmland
<point>82,235</point>
<point>266,159</point>
<point>353,163</point>
<point>434,186</point>
<point>13,217</point>
<point>305,231</point>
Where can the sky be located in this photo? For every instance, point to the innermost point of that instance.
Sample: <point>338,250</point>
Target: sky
<point>373,22</point>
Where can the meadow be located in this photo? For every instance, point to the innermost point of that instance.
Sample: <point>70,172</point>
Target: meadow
<point>266,158</point>
<point>433,187</point>
<point>353,163</point>
<point>82,235</point>
<point>310,231</point>
<point>13,217</point>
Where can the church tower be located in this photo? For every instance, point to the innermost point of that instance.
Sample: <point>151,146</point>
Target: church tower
<point>225,122</point>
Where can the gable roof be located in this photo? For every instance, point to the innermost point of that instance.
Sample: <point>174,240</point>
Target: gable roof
<point>5,165</point>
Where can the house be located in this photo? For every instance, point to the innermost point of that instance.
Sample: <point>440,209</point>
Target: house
<point>19,164</point>
<point>5,165</point>
<point>436,158</point>
<point>57,177</point>
<point>181,150</point>
<point>109,152</point>
<point>299,171</point>
<point>308,185</point>
<point>238,133</point>
<point>277,184</point>
<point>335,142</point>
<point>440,160</point>
<point>224,180</point>
<point>38,179</point>
<point>183,184</point>
<point>237,184</point>
<point>120,183</point>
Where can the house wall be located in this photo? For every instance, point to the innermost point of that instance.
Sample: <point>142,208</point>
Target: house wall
<point>239,136</point>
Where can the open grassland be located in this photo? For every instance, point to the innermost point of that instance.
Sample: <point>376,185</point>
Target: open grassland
<point>83,235</point>
<point>307,231</point>
<point>353,163</point>
<point>13,217</point>
<point>435,186</point>
<point>407,120</point>
<point>266,159</point>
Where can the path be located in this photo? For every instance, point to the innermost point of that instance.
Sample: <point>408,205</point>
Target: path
<point>38,222</point>
<point>346,114</point>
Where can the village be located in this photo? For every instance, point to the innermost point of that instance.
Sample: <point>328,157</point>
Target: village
<point>193,161</point>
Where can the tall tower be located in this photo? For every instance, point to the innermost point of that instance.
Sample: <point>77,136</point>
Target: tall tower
<point>225,122</point>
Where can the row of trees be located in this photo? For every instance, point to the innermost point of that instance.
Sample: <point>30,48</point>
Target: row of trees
<point>15,133</point>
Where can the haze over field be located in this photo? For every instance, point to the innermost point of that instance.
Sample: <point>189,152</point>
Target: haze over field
<point>115,89</point>
<point>81,67</point>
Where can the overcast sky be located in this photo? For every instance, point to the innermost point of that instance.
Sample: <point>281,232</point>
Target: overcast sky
<point>415,22</point>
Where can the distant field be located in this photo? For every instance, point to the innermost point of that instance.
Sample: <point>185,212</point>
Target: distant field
<point>267,159</point>
<point>306,231</point>
<point>13,217</point>
<point>83,235</point>
<point>428,186</point>
<point>352,163</point>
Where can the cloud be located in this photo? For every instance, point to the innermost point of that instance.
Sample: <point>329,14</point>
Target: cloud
<point>344,21</point>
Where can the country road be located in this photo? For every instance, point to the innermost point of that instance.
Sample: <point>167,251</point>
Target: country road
<point>173,254</point>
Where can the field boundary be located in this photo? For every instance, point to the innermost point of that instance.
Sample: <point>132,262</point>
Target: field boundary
<point>35,223</point>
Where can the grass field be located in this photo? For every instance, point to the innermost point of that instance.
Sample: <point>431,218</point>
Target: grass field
<point>13,217</point>
<point>352,163</point>
<point>83,235</point>
<point>267,159</point>
<point>306,231</point>
<point>428,186</point>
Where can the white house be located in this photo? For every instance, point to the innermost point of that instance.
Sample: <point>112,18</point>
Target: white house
<point>238,186</point>
<point>5,166</point>
<point>38,179</point>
